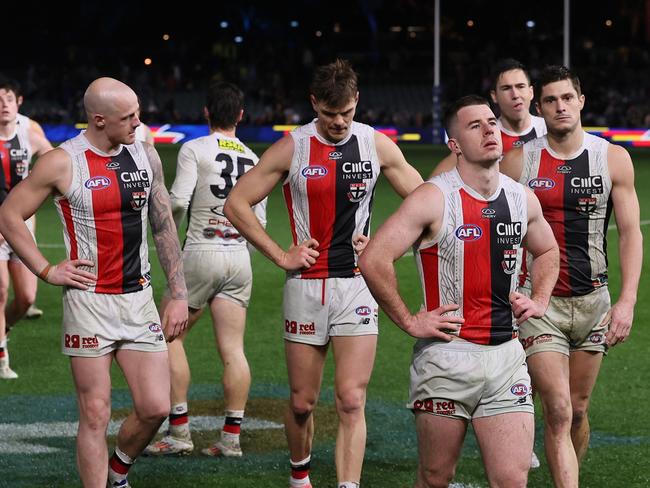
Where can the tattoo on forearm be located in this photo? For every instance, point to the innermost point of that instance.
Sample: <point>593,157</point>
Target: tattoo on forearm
<point>165,236</point>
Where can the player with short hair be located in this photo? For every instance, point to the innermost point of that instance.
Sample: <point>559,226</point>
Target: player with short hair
<point>468,227</point>
<point>217,268</point>
<point>579,179</point>
<point>328,169</point>
<point>20,139</point>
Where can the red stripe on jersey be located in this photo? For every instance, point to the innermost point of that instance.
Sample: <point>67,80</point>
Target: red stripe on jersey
<point>477,273</point>
<point>321,197</point>
<point>6,162</point>
<point>429,259</point>
<point>552,202</point>
<point>286,189</point>
<point>107,210</point>
<point>69,225</point>
<point>508,142</point>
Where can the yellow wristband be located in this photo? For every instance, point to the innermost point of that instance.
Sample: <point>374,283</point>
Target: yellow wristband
<point>44,272</point>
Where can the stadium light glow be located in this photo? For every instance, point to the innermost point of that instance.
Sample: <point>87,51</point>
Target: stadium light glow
<point>470,23</point>
<point>165,37</point>
<point>319,33</point>
<point>294,23</point>
<point>223,24</point>
<point>395,28</point>
<point>148,61</point>
<point>239,39</point>
<point>337,27</point>
<point>609,23</point>
<point>530,24</point>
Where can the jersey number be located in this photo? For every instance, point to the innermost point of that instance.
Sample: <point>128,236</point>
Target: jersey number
<point>227,174</point>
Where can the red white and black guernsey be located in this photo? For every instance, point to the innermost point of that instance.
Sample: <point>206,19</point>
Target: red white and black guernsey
<point>575,196</point>
<point>329,193</point>
<point>104,214</point>
<point>511,140</point>
<point>15,155</point>
<point>474,260</point>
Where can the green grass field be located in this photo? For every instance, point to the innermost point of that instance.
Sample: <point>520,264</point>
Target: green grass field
<point>38,411</point>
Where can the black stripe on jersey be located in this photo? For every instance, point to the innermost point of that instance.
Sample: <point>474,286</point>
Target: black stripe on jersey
<point>133,182</point>
<point>341,253</point>
<point>366,226</point>
<point>528,136</point>
<point>16,161</point>
<point>503,241</point>
<point>576,218</point>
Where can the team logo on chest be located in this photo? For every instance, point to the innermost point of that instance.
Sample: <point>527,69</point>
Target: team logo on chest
<point>18,154</point>
<point>509,263</point>
<point>509,233</point>
<point>138,199</point>
<point>586,185</point>
<point>586,205</point>
<point>21,168</point>
<point>357,192</point>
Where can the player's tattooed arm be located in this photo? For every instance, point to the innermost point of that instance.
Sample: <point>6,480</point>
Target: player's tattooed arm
<point>164,230</point>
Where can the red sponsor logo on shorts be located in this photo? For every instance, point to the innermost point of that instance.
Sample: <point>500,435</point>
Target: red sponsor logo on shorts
<point>293,327</point>
<point>89,343</point>
<point>519,389</point>
<point>72,341</point>
<point>439,408</point>
<point>535,340</point>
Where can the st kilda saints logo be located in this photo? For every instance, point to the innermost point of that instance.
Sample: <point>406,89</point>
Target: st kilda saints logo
<point>587,205</point>
<point>138,199</point>
<point>357,192</point>
<point>509,263</point>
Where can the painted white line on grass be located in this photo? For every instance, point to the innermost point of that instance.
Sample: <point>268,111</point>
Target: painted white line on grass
<point>16,437</point>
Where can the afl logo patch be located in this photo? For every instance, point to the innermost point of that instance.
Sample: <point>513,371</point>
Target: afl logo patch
<point>519,389</point>
<point>541,184</point>
<point>363,310</point>
<point>314,171</point>
<point>469,232</point>
<point>97,183</point>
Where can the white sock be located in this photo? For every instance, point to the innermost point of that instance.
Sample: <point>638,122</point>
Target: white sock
<point>348,484</point>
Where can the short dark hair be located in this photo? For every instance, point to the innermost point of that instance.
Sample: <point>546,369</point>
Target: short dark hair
<point>335,83</point>
<point>224,102</point>
<point>553,73</point>
<point>9,84</point>
<point>452,111</point>
<point>507,64</point>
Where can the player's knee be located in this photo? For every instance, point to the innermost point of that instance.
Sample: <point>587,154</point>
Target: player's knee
<point>153,411</point>
<point>24,298</point>
<point>579,415</point>
<point>437,478</point>
<point>302,406</point>
<point>95,414</point>
<point>351,401</point>
<point>557,414</point>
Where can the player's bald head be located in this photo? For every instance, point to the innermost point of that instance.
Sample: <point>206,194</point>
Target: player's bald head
<point>104,94</point>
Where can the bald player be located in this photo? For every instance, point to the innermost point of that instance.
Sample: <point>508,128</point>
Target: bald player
<point>107,188</point>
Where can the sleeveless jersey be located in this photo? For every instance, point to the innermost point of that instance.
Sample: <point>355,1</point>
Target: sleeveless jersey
<point>104,214</point>
<point>474,260</point>
<point>16,154</point>
<point>575,198</point>
<point>329,193</point>
<point>512,140</point>
<point>208,168</point>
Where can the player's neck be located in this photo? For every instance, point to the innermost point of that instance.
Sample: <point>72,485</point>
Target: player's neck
<point>568,143</point>
<point>226,132</point>
<point>483,177</point>
<point>7,129</point>
<point>101,142</point>
<point>516,126</point>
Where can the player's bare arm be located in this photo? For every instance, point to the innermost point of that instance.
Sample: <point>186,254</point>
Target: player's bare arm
<point>447,164</point>
<point>419,215</point>
<point>38,141</point>
<point>540,243</point>
<point>630,241</point>
<point>403,177</point>
<point>168,248</point>
<point>253,187</point>
<point>512,164</point>
<point>51,174</point>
